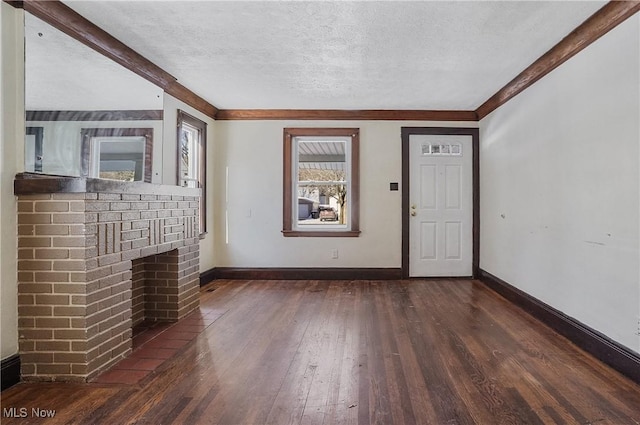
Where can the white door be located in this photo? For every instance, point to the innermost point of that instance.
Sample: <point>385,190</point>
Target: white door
<point>440,205</point>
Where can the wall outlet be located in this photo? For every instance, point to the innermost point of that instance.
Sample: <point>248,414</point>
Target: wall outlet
<point>334,254</point>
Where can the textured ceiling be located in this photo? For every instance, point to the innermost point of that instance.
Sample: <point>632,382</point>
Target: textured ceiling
<point>340,54</point>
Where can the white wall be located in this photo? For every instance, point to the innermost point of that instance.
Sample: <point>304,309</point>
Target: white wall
<point>169,168</point>
<point>11,135</point>
<point>560,187</point>
<point>249,204</point>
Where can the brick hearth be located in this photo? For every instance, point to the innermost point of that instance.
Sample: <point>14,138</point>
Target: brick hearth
<point>94,258</point>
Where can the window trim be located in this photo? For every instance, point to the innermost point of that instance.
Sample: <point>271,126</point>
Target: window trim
<point>184,117</point>
<point>86,134</point>
<point>287,205</point>
<point>38,133</point>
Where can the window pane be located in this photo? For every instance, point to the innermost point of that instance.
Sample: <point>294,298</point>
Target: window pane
<point>321,161</point>
<point>189,155</point>
<point>118,153</point>
<point>322,164</point>
<point>320,197</point>
<point>121,158</point>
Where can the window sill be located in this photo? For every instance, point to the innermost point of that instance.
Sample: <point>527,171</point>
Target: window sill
<point>321,234</point>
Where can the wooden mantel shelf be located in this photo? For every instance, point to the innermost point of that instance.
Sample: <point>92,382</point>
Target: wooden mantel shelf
<point>32,184</point>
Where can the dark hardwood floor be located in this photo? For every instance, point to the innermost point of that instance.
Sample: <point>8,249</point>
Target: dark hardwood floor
<point>345,352</point>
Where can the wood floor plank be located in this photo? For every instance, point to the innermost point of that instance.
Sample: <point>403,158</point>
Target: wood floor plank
<point>545,358</point>
<point>399,397</point>
<point>353,352</point>
<point>324,340</point>
<point>399,321</point>
<point>289,404</point>
<point>438,362</point>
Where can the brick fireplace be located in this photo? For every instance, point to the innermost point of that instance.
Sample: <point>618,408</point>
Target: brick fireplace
<point>95,258</point>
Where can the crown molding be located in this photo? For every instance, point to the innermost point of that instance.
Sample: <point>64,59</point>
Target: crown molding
<point>67,20</point>
<point>338,114</point>
<point>601,22</point>
<point>134,115</point>
<point>182,93</point>
<point>18,4</point>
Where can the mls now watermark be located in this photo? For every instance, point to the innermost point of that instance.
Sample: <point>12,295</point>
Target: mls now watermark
<point>23,412</point>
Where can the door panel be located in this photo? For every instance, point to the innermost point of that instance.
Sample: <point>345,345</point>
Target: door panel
<point>453,187</point>
<point>453,242</point>
<point>428,241</point>
<point>441,199</point>
<point>428,187</point>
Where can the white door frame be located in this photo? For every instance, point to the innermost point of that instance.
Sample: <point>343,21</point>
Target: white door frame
<point>475,135</point>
